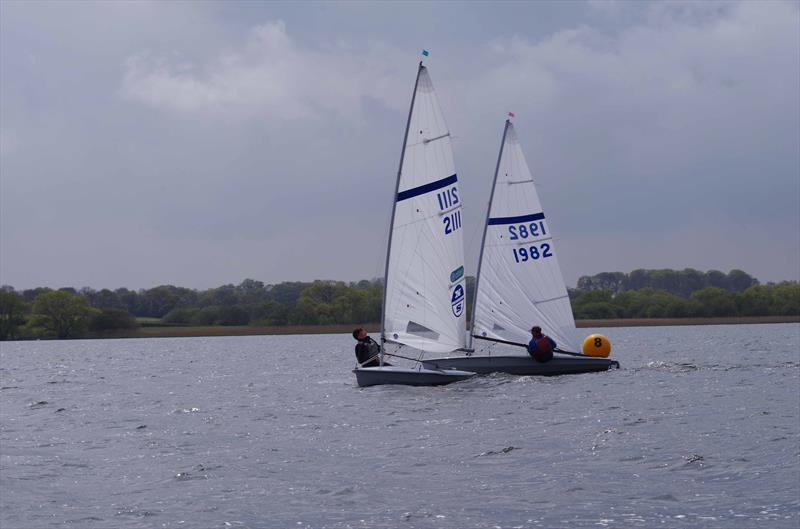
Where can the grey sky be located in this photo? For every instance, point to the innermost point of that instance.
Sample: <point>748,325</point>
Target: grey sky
<point>201,143</point>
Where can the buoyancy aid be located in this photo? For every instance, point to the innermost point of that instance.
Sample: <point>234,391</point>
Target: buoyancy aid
<point>544,345</point>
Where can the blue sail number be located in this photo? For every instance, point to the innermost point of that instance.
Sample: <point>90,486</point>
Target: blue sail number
<point>523,231</point>
<point>533,253</point>
<point>448,199</point>
<point>452,221</point>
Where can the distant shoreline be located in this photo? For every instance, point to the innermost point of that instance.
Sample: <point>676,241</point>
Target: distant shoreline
<point>184,332</point>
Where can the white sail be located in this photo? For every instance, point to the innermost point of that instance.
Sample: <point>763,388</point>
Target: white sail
<point>519,282</point>
<point>425,292</point>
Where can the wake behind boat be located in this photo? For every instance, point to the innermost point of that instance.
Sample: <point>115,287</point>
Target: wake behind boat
<point>519,282</point>
<point>424,299</point>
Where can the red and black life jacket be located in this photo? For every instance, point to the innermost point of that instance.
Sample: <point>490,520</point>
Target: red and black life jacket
<point>544,345</point>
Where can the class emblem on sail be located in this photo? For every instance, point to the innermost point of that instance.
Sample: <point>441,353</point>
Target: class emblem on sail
<point>457,301</point>
<point>456,274</point>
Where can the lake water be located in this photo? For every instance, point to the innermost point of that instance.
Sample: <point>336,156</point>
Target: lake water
<point>700,428</point>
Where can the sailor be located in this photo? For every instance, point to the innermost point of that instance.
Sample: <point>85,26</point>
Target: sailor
<point>367,349</point>
<point>541,346</point>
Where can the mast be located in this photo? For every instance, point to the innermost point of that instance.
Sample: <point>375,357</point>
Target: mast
<point>485,228</point>
<point>394,207</point>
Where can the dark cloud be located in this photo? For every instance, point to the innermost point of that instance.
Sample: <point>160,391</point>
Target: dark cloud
<point>202,143</point>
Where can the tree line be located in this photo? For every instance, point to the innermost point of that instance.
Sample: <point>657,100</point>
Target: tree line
<point>685,293</point>
<point>71,313</point>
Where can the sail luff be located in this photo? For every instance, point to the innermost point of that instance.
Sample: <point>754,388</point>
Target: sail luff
<point>394,208</point>
<point>485,228</point>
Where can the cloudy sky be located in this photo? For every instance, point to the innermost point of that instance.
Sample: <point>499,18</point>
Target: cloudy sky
<point>201,143</point>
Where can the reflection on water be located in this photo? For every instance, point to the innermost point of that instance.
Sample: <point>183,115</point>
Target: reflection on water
<point>700,428</point>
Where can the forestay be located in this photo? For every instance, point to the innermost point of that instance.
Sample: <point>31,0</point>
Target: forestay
<point>519,281</point>
<point>425,300</point>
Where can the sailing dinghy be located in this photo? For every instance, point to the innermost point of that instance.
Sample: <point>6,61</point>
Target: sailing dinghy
<point>424,298</point>
<point>519,282</point>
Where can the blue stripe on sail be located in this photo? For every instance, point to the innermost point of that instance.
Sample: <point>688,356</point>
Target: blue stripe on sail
<point>517,220</point>
<point>427,188</point>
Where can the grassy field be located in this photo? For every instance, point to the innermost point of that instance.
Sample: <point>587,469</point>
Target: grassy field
<point>153,331</point>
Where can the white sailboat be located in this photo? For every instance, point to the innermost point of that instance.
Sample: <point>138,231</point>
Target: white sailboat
<point>519,282</point>
<point>424,302</point>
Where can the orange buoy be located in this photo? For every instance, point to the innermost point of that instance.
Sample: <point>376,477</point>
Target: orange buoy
<point>596,345</point>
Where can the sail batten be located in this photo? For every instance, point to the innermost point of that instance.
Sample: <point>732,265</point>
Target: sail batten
<point>519,281</point>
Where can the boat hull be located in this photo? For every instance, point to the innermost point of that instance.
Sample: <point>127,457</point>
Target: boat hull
<point>522,365</point>
<point>374,376</point>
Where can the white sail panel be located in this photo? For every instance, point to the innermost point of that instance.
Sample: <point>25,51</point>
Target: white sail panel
<point>520,283</point>
<point>425,302</point>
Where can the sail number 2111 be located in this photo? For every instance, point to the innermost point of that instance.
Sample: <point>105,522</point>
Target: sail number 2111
<point>448,199</point>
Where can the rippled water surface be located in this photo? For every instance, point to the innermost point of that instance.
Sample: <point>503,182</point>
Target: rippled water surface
<point>700,428</point>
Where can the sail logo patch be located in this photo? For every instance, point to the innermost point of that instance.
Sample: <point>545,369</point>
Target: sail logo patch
<point>456,274</point>
<point>457,301</point>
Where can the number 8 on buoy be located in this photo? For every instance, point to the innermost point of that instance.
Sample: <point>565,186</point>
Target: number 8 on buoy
<point>596,345</point>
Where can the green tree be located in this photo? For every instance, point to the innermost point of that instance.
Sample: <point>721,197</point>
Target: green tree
<point>12,314</point>
<point>62,314</point>
<point>690,280</point>
<point>159,300</point>
<point>287,293</point>
<point>251,291</point>
<point>739,281</point>
<point>32,293</point>
<point>757,301</point>
<point>224,295</point>
<point>716,302</point>
<point>108,319</point>
<point>597,310</point>
<point>715,278</point>
<point>232,315</point>
<point>269,313</point>
<point>639,278</point>
<point>787,299</point>
<point>104,299</point>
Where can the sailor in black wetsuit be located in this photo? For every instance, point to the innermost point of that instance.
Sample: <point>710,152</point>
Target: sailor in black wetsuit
<point>367,349</point>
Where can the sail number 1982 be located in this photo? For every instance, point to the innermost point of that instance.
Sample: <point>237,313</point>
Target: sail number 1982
<point>523,231</point>
<point>534,252</point>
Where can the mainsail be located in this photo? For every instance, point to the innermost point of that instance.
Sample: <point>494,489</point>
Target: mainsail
<point>425,291</point>
<point>519,281</point>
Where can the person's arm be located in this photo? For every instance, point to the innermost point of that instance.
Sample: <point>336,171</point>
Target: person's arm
<point>361,352</point>
<point>552,343</point>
